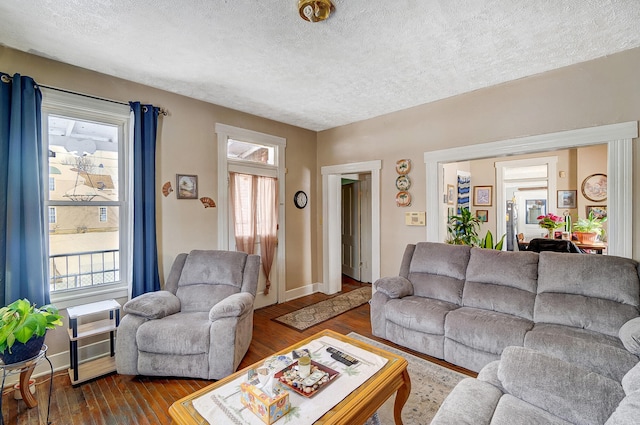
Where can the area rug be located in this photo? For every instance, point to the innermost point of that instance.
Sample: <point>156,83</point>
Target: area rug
<point>430,385</point>
<point>316,313</point>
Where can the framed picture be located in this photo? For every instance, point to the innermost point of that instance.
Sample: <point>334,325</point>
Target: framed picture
<point>482,215</point>
<point>599,211</point>
<point>535,208</point>
<point>451,193</point>
<point>594,187</point>
<point>187,186</point>
<point>567,198</point>
<point>482,196</point>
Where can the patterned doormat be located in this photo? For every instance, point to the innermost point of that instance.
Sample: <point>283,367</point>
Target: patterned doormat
<point>430,385</point>
<point>319,312</point>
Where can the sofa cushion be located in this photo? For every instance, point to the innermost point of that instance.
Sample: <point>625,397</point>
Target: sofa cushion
<point>213,267</point>
<point>630,335</point>
<point>419,314</point>
<point>511,410</point>
<point>485,330</point>
<point>178,334</point>
<point>153,305</point>
<point>579,291</point>
<point>471,402</point>
<point>601,353</point>
<point>438,271</point>
<point>502,281</point>
<point>570,392</point>
<point>394,286</point>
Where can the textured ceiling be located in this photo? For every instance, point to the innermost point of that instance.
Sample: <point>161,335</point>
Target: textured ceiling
<point>371,57</point>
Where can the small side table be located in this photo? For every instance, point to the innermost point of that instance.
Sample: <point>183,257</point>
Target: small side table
<point>25,369</point>
<point>92,369</point>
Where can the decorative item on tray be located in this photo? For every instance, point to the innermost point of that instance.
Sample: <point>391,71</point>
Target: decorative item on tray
<point>308,386</point>
<point>263,393</point>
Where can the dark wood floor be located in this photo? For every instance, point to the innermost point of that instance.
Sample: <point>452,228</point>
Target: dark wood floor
<point>120,399</point>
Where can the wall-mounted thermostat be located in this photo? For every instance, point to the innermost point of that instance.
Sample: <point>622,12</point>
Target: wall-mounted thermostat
<point>415,218</point>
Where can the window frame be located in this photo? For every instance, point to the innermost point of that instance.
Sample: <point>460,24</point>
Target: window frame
<point>54,215</point>
<point>56,102</point>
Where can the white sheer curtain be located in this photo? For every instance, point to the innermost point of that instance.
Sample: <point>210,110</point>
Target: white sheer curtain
<point>254,201</point>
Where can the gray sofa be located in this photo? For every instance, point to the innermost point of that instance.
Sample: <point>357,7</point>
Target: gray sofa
<point>200,326</point>
<point>529,387</point>
<point>466,305</point>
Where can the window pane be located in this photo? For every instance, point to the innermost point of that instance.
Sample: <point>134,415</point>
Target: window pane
<point>530,172</point>
<point>83,249</point>
<point>251,152</point>
<point>83,158</point>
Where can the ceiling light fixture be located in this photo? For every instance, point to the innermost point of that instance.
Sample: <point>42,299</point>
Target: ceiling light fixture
<point>315,10</point>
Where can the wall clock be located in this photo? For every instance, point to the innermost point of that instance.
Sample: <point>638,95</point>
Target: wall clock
<point>594,187</point>
<point>300,199</point>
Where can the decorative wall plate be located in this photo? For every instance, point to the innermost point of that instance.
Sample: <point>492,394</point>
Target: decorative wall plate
<point>594,187</point>
<point>403,166</point>
<point>403,182</point>
<point>403,199</point>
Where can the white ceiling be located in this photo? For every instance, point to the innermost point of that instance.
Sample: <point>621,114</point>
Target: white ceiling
<point>371,57</point>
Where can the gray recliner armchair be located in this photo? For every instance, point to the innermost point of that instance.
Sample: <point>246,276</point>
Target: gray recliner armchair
<point>199,326</point>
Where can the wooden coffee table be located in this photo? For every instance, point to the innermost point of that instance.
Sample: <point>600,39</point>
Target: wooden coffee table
<point>356,408</point>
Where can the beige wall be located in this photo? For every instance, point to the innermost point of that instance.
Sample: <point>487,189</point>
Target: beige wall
<point>187,144</point>
<point>603,91</point>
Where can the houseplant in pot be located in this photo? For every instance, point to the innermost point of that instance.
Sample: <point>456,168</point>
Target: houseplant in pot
<point>587,229</point>
<point>463,229</point>
<point>22,329</point>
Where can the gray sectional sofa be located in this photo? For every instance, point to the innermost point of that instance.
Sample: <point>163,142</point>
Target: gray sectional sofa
<point>569,320</point>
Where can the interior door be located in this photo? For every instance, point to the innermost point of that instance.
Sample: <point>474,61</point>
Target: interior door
<point>351,230</point>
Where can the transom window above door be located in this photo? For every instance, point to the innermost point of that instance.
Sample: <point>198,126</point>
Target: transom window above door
<point>251,152</point>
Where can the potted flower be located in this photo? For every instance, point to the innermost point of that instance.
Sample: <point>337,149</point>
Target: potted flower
<point>587,229</point>
<point>550,223</point>
<point>22,329</point>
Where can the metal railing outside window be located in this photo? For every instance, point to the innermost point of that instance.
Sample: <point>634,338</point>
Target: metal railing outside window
<point>83,269</point>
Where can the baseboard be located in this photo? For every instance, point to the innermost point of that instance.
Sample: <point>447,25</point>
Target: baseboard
<point>60,361</point>
<point>302,291</point>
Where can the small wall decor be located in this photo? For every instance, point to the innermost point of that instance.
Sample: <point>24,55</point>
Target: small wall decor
<point>415,218</point>
<point>403,166</point>
<point>567,198</point>
<point>451,193</point>
<point>403,199</point>
<point>187,186</point>
<point>167,189</point>
<point>599,211</point>
<point>464,189</point>
<point>403,183</point>
<point>482,196</point>
<point>594,187</point>
<point>207,202</point>
<point>535,208</point>
<point>482,215</point>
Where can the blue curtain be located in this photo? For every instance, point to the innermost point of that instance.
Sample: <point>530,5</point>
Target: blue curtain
<point>23,260</point>
<point>145,248</point>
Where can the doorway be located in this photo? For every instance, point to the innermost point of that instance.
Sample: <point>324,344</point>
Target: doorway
<point>619,141</point>
<point>356,226</point>
<point>332,220</point>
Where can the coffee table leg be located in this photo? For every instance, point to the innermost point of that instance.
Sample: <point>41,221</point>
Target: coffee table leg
<point>28,398</point>
<point>401,397</point>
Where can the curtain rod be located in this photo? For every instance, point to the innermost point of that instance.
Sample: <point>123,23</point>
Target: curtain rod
<point>161,111</point>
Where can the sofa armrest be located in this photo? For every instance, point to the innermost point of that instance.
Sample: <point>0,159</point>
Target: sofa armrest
<point>153,305</point>
<point>570,392</point>
<point>630,335</point>
<point>234,305</point>
<point>394,287</point>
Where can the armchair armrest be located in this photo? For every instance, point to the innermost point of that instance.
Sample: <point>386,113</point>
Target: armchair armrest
<point>394,287</point>
<point>153,305</point>
<point>234,305</point>
<point>630,335</point>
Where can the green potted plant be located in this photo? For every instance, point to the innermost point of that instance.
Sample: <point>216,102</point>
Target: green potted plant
<point>23,327</point>
<point>587,229</point>
<point>463,229</point>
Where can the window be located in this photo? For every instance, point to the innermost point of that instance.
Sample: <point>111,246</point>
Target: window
<point>250,152</point>
<point>87,144</point>
<point>102,214</point>
<point>52,215</point>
